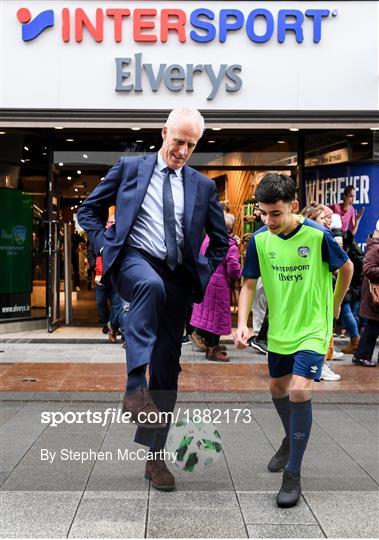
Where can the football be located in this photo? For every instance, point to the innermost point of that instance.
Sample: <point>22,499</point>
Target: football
<point>197,445</point>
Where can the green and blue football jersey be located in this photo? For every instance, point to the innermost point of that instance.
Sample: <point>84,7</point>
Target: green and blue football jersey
<point>296,272</point>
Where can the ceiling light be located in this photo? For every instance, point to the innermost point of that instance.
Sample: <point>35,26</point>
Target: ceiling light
<point>102,178</point>
<point>216,129</point>
<point>71,207</point>
<point>294,129</point>
<point>81,200</point>
<point>2,132</point>
<point>136,128</point>
<point>152,147</point>
<point>26,148</point>
<point>211,141</point>
<point>59,127</point>
<point>61,163</point>
<point>85,156</point>
<point>139,140</point>
<point>44,153</point>
<point>23,161</point>
<point>364,142</point>
<point>78,172</point>
<point>69,178</point>
<point>70,140</point>
<point>349,134</point>
<point>76,206</point>
<point>281,142</point>
<point>76,189</point>
<point>372,129</point>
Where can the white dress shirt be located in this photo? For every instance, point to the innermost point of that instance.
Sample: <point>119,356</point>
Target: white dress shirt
<point>148,230</point>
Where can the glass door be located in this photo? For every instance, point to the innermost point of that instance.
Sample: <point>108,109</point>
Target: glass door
<point>53,241</point>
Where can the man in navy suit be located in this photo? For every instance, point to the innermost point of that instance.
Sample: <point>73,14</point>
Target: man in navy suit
<point>151,255</point>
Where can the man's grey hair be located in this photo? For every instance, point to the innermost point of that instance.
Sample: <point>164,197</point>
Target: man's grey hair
<point>229,220</point>
<point>177,114</point>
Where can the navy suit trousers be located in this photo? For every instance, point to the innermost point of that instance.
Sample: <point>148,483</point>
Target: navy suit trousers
<point>154,326</point>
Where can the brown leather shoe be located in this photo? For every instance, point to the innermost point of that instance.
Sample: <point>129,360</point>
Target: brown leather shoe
<point>352,347</point>
<point>198,342</point>
<point>216,355</point>
<point>143,409</point>
<point>161,478</point>
<point>112,334</point>
<point>220,348</point>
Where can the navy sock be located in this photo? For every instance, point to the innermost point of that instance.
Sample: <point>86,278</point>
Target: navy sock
<point>300,428</point>
<point>282,405</point>
<point>136,379</point>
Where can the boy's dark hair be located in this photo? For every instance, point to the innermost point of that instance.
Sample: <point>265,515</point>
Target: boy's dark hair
<point>276,187</point>
<point>347,190</point>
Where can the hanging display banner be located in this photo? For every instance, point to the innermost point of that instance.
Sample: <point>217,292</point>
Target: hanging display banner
<point>15,253</point>
<point>326,185</point>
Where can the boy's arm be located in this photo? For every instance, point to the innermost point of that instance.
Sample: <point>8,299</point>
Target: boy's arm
<point>244,307</point>
<point>344,275</point>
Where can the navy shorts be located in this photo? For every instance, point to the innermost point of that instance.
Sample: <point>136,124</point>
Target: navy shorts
<point>307,364</point>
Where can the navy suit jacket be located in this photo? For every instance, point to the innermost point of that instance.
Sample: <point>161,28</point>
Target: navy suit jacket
<point>125,186</point>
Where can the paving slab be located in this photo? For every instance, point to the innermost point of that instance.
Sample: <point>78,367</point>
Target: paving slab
<point>111,514</point>
<point>119,474</point>
<point>198,523</point>
<point>348,514</point>
<point>366,416</point>
<point>8,410</point>
<point>261,508</point>
<point>284,531</point>
<point>37,514</point>
<point>20,433</point>
<point>320,471</point>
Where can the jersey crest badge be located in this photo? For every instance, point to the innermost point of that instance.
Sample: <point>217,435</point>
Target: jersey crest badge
<point>303,251</point>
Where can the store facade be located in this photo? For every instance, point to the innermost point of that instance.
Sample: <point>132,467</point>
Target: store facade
<point>290,86</point>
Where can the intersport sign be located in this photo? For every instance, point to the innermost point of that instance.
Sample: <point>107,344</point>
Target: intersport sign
<point>245,55</point>
<point>202,25</point>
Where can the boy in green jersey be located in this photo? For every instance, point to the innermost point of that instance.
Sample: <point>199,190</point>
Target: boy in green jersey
<point>295,258</point>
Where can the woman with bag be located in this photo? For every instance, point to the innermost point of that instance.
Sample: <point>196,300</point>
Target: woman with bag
<point>212,318</point>
<point>369,302</point>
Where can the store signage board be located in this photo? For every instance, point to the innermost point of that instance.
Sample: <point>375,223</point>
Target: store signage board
<point>328,158</point>
<point>248,55</point>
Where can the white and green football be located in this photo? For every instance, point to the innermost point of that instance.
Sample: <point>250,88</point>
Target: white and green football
<point>197,445</point>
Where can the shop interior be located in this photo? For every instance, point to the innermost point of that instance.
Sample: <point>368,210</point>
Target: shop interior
<point>58,168</point>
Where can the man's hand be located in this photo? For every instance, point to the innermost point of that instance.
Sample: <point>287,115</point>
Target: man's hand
<point>241,336</point>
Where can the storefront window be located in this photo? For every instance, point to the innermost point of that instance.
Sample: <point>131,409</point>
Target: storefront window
<point>23,226</point>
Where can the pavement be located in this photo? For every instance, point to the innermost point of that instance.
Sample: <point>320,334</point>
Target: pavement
<point>234,498</point>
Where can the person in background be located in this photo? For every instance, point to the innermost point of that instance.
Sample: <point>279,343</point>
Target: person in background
<point>105,293</point>
<point>257,223</point>
<point>260,320</point>
<point>91,270</point>
<point>349,216</point>
<point>317,213</point>
<point>369,303</point>
<point>351,302</point>
<point>212,318</point>
<point>76,241</point>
